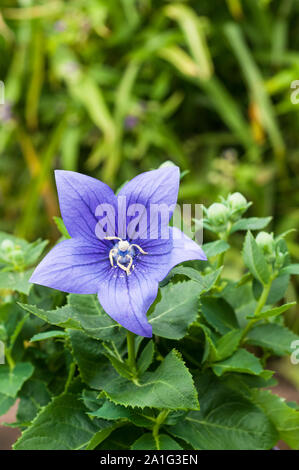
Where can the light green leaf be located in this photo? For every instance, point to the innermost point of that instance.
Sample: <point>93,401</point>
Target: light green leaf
<point>11,381</point>
<point>215,248</point>
<point>241,361</point>
<point>251,223</point>
<point>163,442</point>
<point>16,281</point>
<point>291,269</point>
<point>255,260</point>
<point>176,310</point>
<point>228,343</point>
<point>284,418</point>
<point>61,227</point>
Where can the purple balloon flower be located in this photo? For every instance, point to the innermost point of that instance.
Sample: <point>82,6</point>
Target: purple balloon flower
<point>109,253</point>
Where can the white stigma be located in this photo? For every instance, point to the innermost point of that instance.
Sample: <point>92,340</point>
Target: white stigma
<point>123,245</point>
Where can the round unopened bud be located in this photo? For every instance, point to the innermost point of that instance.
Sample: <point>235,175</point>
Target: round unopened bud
<point>7,245</point>
<point>237,201</point>
<point>218,213</point>
<point>265,241</point>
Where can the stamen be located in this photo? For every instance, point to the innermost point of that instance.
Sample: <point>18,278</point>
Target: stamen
<point>123,253</point>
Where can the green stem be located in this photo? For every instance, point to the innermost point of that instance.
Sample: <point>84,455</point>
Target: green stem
<point>223,236</point>
<point>131,351</point>
<point>159,421</point>
<point>262,300</point>
<point>70,376</point>
<point>9,359</point>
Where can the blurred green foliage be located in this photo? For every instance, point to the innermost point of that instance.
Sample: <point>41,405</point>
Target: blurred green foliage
<point>112,88</point>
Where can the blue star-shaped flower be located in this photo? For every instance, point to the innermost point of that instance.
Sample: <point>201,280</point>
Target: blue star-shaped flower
<point>124,270</point>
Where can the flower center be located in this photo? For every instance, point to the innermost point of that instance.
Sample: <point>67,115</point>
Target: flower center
<point>123,254</point>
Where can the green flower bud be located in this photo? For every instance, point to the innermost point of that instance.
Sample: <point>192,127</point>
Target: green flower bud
<point>266,242</point>
<point>237,201</point>
<point>7,246</point>
<point>218,214</point>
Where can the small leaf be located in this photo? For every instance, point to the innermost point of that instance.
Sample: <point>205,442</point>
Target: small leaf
<point>272,312</point>
<point>16,281</point>
<point>215,248</point>
<point>228,343</point>
<point>251,223</point>
<point>255,260</point>
<point>48,335</point>
<point>61,227</point>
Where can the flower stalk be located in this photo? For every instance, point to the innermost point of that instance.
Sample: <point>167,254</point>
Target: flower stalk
<point>131,352</point>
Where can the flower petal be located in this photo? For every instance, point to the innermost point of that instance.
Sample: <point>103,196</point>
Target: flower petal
<point>73,266</point>
<point>156,187</point>
<point>184,249</point>
<point>79,196</point>
<point>127,299</point>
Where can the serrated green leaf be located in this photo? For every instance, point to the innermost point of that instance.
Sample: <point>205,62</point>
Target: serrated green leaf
<point>163,442</point>
<point>226,420</point>
<point>251,223</point>
<point>176,310</point>
<point>169,386</point>
<point>276,338</point>
<point>219,314</point>
<point>11,381</point>
<point>62,425</point>
<point>83,312</point>
<point>111,411</point>
<point>255,260</point>
<point>241,361</point>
